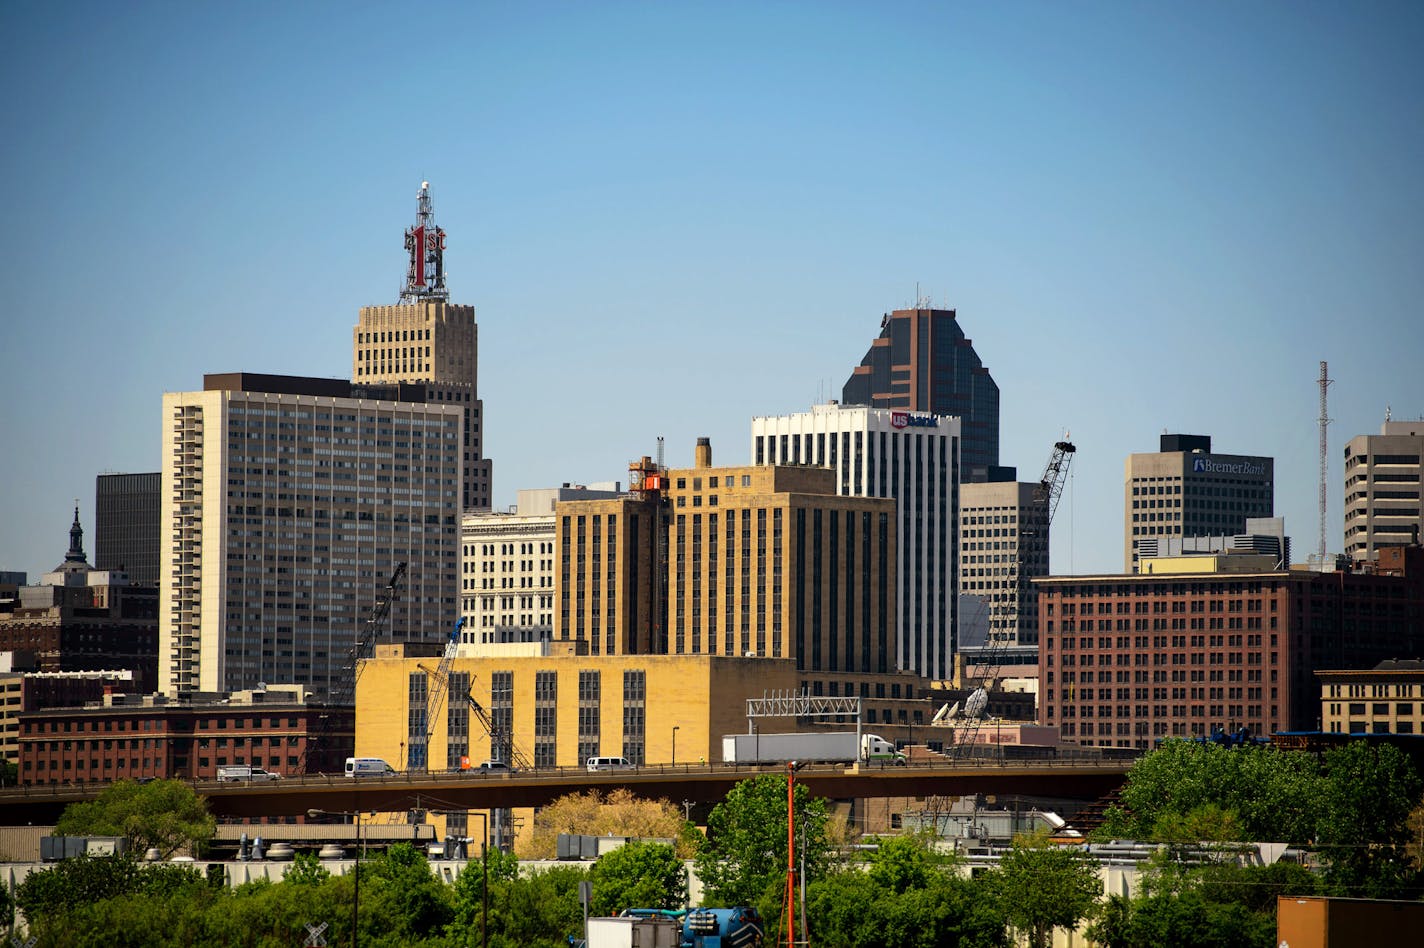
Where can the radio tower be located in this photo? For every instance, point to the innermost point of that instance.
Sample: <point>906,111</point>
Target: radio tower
<point>425,277</point>
<point>1325,381</point>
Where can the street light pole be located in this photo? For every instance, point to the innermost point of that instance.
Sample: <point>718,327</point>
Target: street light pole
<point>674,745</point>
<point>356,874</point>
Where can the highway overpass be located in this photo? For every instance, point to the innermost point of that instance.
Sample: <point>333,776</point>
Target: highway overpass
<point>1075,779</point>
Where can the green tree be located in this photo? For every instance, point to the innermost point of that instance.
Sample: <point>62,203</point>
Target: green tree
<point>162,814</point>
<point>743,860</point>
<point>638,875</point>
<point>468,903</point>
<point>905,895</point>
<point>1363,826</point>
<point>540,910</point>
<point>306,870</point>
<point>52,892</point>
<point>1041,888</point>
<point>401,899</point>
<point>1253,793</point>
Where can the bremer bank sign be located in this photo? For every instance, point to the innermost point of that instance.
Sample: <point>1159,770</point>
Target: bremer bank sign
<point>903,419</point>
<point>1209,465</point>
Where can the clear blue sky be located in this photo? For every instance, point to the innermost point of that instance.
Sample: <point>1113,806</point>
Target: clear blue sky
<point>672,217</point>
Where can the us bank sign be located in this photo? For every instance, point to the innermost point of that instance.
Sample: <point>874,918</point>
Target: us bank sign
<point>903,419</point>
<point>1208,465</point>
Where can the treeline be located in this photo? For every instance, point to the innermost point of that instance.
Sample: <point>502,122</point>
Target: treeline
<point>1353,812</point>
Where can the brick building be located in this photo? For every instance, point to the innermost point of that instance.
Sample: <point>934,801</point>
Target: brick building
<point>1224,641</point>
<point>85,628</point>
<point>131,736</point>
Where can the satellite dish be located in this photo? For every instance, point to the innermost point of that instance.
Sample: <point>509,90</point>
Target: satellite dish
<point>940,714</point>
<point>977,702</point>
<point>262,686</point>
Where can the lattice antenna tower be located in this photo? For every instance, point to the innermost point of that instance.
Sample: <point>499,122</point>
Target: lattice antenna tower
<point>1325,381</point>
<point>425,245</point>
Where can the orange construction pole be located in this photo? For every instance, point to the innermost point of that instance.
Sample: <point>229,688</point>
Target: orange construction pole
<point>790,909</point>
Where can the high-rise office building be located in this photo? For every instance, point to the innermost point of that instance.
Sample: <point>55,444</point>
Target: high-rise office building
<point>923,362</point>
<point>1003,529</point>
<point>913,458</point>
<point>287,503</point>
<point>1184,490</point>
<point>762,562</point>
<point>425,338</point>
<point>126,525</point>
<point>1384,505</point>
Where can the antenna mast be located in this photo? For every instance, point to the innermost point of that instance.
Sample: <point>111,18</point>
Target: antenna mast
<point>1325,381</point>
<point>425,243</point>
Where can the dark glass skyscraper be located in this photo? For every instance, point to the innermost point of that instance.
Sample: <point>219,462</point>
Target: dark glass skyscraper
<point>922,361</point>
<point>126,525</point>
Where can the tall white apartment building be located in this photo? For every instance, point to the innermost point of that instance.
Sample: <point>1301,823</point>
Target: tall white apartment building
<point>1384,505</point>
<point>286,504</point>
<point>507,567</point>
<point>914,458</point>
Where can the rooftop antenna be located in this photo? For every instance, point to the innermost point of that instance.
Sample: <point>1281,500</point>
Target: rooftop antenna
<point>1325,381</point>
<point>425,243</point>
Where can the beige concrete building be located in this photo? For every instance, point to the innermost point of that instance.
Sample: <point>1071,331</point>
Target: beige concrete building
<point>1003,545</point>
<point>1384,505</point>
<point>508,564</point>
<point>1386,699</point>
<point>1183,490</point>
<point>435,343</point>
<point>427,339</point>
<point>287,503</point>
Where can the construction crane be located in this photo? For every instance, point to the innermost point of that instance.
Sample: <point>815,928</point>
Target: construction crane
<point>502,746</point>
<point>435,701</point>
<point>342,693</point>
<point>1004,606</point>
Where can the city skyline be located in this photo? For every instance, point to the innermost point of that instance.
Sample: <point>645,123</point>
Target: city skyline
<point>673,220</point>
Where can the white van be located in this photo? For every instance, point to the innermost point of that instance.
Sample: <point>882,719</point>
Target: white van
<point>368,767</point>
<point>244,772</point>
<point>609,763</point>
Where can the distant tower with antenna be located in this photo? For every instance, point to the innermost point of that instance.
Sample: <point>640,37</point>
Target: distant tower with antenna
<point>425,243</point>
<point>1325,381</point>
<point>430,342</point>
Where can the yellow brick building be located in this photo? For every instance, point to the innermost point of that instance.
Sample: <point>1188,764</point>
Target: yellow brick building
<point>561,707</point>
<point>749,562</point>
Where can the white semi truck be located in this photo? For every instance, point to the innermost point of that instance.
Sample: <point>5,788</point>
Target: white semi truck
<point>825,747</point>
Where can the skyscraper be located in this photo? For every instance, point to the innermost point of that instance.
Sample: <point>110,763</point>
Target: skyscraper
<point>913,458</point>
<point>287,503</point>
<point>1003,547</point>
<point>923,362</point>
<point>426,338</point>
<point>1383,502</point>
<point>1184,490</point>
<point>126,525</point>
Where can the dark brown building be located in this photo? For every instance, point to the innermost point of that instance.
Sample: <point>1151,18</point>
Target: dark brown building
<point>129,736</point>
<point>922,361</point>
<point>1215,642</point>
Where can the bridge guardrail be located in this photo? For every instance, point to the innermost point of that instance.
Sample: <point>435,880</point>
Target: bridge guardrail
<point>560,774</point>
